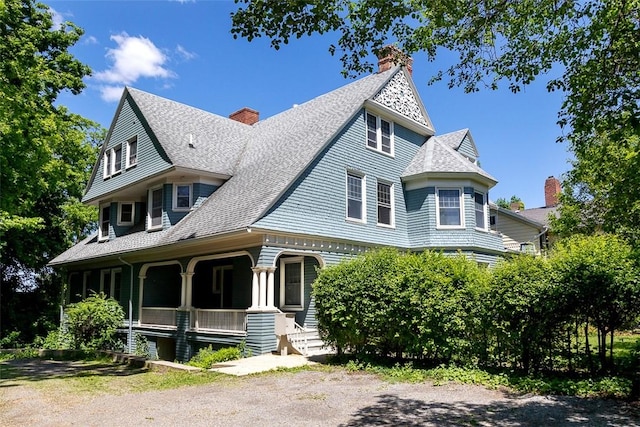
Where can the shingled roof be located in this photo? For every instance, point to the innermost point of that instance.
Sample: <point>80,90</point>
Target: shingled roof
<point>274,153</point>
<point>436,156</point>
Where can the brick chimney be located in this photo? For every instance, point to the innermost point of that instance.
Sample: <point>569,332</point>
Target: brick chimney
<point>390,55</point>
<point>245,115</point>
<point>551,190</point>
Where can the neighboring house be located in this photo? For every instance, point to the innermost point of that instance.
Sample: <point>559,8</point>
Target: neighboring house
<point>209,227</point>
<point>527,230</point>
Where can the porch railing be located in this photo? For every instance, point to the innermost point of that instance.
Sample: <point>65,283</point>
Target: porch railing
<point>165,316</point>
<point>298,339</point>
<point>220,320</point>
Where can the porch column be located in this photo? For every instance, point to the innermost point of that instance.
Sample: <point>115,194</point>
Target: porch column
<point>255,290</point>
<point>141,298</point>
<point>263,288</point>
<point>187,290</point>
<point>270,290</point>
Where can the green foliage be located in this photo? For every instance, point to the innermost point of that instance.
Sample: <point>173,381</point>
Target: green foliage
<point>142,345</point>
<point>600,285</point>
<point>506,204</point>
<point>57,339</point>
<point>523,310</point>
<point>587,50</point>
<point>385,302</point>
<point>206,357</point>
<point>40,213</point>
<point>93,322</point>
<point>10,340</point>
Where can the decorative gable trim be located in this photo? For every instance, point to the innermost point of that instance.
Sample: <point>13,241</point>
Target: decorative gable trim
<point>400,96</point>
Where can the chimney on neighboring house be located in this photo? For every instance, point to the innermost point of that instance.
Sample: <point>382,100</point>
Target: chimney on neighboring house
<point>551,191</point>
<point>245,115</point>
<point>390,55</point>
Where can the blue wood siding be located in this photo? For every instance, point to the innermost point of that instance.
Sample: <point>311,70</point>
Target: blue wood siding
<point>466,148</point>
<point>261,335</point>
<point>316,203</point>
<point>151,158</point>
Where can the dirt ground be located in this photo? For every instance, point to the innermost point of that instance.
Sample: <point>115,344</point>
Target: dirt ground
<point>304,398</point>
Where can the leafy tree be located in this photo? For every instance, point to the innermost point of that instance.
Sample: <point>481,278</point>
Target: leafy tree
<point>93,323</point>
<point>599,278</point>
<point>588,50</point>
<point>46,157</point>
<point>524,314</point>
<point>506,204</point>
<point>602,192</point>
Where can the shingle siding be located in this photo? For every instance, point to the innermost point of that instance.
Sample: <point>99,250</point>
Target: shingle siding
<point>316,203</point>
<point>466,148</point>
<point>127,125</point>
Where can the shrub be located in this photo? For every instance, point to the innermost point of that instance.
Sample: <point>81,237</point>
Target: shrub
<point>93,322</point>
<point>10,340</point>
<point>142,345</point>
<point>207,357</point>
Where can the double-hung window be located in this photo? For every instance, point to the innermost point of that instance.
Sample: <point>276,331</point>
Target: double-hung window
<point>112,160</point>
<point>125,213</point>
<point>449,208</point>
<point>355,197</point>
<point>105,216</point>
<point>292,283</point>
<point>480,208</point>
<point>379,134</point>
<point>385,204</point>
<point>155,209</point>
<point>132,152</point>
<point>181,197</point>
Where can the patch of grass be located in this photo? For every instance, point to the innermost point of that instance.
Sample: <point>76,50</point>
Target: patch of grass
<point>583,386</point>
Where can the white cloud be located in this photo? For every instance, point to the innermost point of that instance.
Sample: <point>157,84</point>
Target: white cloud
<point>134,58</point>
<point>111,93</point>
<point>185,54</point>
<point>90,40</point>
<point>58,18</point>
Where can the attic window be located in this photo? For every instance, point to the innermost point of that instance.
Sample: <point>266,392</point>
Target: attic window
<point>112,160</point>
<point>379,134</point>
<point>181,197</point>
<point>132,152</point>
<point>125,213</point>
<point>105,214</point>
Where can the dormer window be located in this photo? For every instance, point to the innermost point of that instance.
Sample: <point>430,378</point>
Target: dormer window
<point>181,197</point>
<point>379,134</point>
<point>132,152</point>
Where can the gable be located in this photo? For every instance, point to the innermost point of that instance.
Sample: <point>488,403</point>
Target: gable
<point>468,148</point>
<point>151,160</point>
<point>400,96</point>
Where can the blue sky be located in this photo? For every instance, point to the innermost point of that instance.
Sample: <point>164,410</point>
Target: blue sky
<point>184,51</point>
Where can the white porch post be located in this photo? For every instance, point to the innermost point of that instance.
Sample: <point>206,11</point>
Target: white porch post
<point>270,290</point>
<point>263,288</point>
<point>255,290</point>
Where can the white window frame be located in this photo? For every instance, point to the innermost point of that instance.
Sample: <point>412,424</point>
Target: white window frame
<point>378,143</point>
<point>106,160</point>
<point>363,197</point>
<point>484,210</point>
<point>283,263</point>
<point>102,207</point>
<point>392,213</point>
<point>112,281</point>
<point>175,196</point>
<point>150,225</point>
<point>131,141</point>
<point>115,171</point>
<point>133,213</point>
<point>461,208</point>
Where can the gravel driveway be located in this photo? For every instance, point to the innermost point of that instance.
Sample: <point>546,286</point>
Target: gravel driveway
<point>304,398</point>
